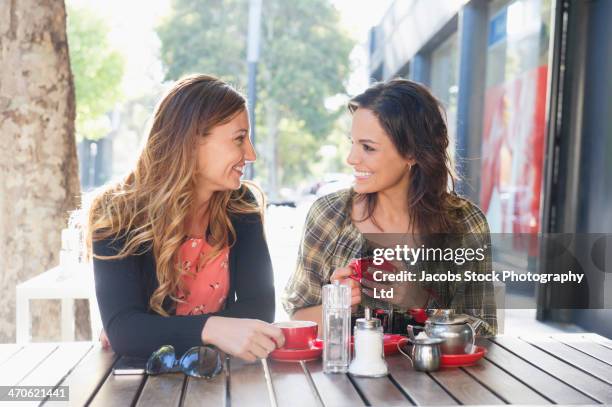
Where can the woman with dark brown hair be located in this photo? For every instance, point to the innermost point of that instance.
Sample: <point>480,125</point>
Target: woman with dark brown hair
<point>403,185</point>
<point>180,256</point>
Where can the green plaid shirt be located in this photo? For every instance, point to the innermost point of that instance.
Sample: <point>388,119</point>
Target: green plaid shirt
<point>330,240</point>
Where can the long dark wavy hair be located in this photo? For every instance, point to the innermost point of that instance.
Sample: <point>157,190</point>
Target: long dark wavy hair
<point>415,121</point>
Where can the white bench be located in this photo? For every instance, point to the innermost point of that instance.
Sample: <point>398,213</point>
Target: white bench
<point>65,284</point>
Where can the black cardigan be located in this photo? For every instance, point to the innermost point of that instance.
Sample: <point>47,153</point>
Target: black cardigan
<point>124,287</point>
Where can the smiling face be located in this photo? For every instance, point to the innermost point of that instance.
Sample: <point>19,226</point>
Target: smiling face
<point>222,155</point>
<point>376,163</point>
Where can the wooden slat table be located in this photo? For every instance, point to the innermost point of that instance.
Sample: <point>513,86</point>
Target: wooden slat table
<point>569,369</point>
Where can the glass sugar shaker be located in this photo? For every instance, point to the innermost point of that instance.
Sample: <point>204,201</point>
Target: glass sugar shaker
<point>369,360</point>
<point>336,327</point>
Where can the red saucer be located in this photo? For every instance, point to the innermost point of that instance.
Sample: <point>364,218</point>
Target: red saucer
<point>296,355</point>
<point>463,360</point>
<point>390,342</point>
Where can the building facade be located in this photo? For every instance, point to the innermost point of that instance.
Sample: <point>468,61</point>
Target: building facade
<point>529,109</point>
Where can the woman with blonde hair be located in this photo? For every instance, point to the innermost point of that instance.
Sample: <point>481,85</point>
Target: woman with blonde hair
<point>180,256</point>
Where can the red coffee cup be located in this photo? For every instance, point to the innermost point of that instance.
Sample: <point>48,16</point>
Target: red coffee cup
<point>360,268</point>
<point>298,334</point>
<point>357,265</point>
<point>419,315</point>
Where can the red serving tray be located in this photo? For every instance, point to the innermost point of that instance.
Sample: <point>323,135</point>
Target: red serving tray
<point>468,359</point>
<point>390,342</point>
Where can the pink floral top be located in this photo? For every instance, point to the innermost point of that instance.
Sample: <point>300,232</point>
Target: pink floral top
<point>206,285</point>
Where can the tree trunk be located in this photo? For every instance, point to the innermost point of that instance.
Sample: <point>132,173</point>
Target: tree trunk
<point>38,161</point>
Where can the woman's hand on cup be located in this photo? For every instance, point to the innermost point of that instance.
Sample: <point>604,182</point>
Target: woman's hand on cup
<point>248,339</point>
<point>342,275</point>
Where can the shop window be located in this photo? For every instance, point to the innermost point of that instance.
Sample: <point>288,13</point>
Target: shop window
<point>444,82</point>
<point>514,114</point>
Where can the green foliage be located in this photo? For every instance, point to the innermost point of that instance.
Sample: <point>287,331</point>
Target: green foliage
<point>304,59</point>
<point>206,36</point>
<point>298,148</point>
<point>97,71</point>
<point>304,155</point>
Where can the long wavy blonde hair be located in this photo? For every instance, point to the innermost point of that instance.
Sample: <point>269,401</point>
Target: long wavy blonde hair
<point>147,210</point>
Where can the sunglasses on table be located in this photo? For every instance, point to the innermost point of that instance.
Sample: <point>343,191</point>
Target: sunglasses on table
<point>199,361</point>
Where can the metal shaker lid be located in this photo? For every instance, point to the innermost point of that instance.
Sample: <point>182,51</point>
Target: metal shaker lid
<point>365,324</point>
